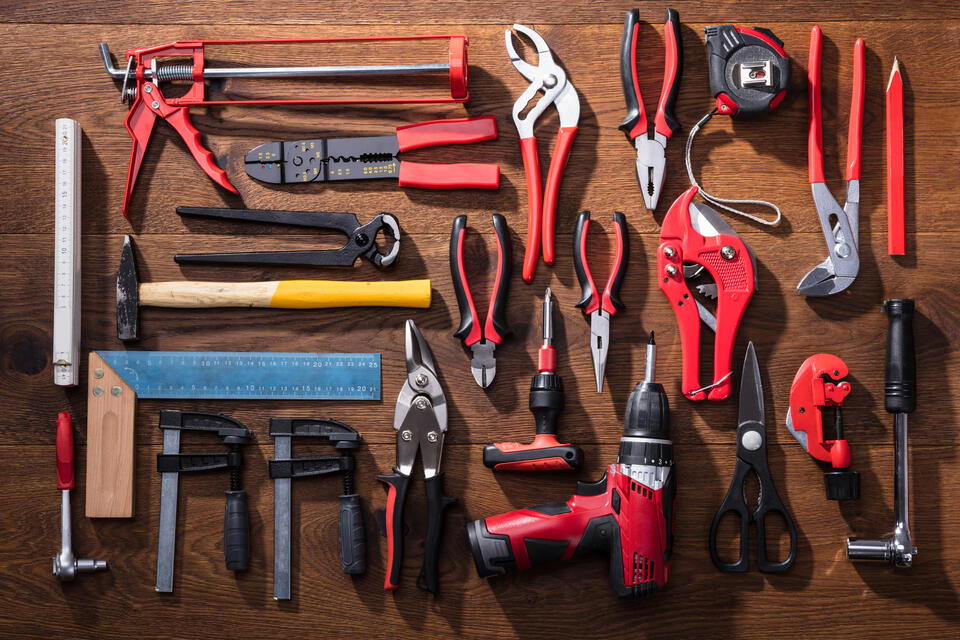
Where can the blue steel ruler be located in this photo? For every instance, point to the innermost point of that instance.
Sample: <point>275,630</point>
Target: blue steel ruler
<point>248,375</point>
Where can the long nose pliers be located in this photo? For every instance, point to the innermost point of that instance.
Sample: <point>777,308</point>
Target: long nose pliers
<point>839,270</point>
<point>548,77</point>
<point>420,421</point>
<point>651,152</point>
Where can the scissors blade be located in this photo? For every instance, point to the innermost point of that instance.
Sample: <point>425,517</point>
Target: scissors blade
<point>751,390</point>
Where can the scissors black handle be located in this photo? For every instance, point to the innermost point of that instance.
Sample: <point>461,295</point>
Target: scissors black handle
<point>769,502</point>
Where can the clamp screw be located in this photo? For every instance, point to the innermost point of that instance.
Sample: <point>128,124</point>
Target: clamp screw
<point>432,436</point>
<point>361,239</point>
<point>728,252</point>
<point>671,270</point>
<point>421,380</point>
<point>421,403</point>
<point>406,435</point>
<point>669,252</point>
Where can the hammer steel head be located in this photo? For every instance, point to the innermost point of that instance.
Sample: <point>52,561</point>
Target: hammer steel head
<point>128,294</point>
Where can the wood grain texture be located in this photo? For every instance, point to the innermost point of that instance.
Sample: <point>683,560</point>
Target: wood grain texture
<point>51,69</point>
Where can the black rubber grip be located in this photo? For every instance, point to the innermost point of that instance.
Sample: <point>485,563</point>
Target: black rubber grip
<point>236,532</point>
<point>628,72</point>
<point>436,503</point>
<point>672,22</point>
<point>353,547</point>
<point>900,375</point>
<point>587,288</point>
<point>460,286</point>
<point>546,401</point>
<point>621,258</point>
<point>397,484</point>
<point>561,457</point>
<point>497,314</point>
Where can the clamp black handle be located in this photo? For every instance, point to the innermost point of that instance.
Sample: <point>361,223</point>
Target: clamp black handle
<point>900,369</point>
<point>353,546</point>
<point>236,532</point>
<point>436,503</point>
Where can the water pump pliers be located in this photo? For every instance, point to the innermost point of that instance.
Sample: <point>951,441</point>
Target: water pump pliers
<point>547,77</point>
<point>420,421</point>
<point>840,226</point>
<point>651,153</point>
<point>481,338</point>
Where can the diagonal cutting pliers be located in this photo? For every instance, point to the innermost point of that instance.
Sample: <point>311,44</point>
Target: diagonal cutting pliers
<point>375,157</point>
<point>599,308</point>
<point>420,421</point>
<point>548,77</point>
<point>651,153</point>
<point>840,226</point>
<point>481,338</point>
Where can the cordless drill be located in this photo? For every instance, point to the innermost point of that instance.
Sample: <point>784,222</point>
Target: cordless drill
<point>627,514</point>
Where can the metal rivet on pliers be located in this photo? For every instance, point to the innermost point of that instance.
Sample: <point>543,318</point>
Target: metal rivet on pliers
<point>421,380</point>
<point>728,252</point>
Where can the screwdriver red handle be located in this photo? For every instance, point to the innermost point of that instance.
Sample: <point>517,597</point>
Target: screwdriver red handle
<point>64,451</point>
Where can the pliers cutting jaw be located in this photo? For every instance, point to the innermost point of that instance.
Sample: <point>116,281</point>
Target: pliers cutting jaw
<point>840,225</point>
<point>420,421</point>
<point>549,77</point>
<point>694,234</point>
<point>651,153</point>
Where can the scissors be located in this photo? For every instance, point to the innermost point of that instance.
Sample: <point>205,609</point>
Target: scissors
<point>752,456</point>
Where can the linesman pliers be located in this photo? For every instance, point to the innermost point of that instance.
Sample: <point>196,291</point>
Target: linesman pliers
<point>651,153</point>
<point>550,78</point>
<point>599,308</point>
<point>482,339</point>
<point>839,270</point>
<point>420,420</point>
<point>374,157</point>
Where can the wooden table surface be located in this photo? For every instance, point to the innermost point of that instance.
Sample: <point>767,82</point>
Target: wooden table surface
<point>50,68</point>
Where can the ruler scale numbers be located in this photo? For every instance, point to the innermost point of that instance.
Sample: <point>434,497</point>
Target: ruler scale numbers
<point>66,307</point>
<point>231,375</point>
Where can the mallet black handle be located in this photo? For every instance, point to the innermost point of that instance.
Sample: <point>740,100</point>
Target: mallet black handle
<point>236,532</point>
<point>353,548</point>
<point>900,376</point>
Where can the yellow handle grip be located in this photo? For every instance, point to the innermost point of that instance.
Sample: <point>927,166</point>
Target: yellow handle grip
<point>323,294</point>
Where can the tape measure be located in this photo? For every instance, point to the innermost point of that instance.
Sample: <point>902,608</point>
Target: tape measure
<point>245,375</point>
<point>66,287</point>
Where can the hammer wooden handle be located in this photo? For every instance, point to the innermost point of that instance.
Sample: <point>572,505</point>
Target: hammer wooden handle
<point>287,294</point>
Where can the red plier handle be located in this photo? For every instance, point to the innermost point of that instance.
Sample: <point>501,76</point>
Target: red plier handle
<point>590,300</point>
<point>815,123</point>
<point>665,122</point>
<point>495,328</point>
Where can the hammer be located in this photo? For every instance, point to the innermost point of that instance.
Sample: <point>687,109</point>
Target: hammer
<point>283,294</point>
<point>65,565</point>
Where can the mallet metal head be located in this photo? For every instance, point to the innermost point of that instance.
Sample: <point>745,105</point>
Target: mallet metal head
<point>128,294</point>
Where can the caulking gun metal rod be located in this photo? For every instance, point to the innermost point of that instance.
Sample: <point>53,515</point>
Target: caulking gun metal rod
<point>285,72</point>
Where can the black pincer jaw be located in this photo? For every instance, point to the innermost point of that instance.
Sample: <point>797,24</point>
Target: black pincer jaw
<point>128,294</point>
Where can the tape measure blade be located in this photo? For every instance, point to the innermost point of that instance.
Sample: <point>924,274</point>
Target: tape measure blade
<point>233,375</point>
<point>66,306</point>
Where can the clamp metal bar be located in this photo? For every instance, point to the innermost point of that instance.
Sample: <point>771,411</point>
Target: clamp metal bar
<point>167,540</point>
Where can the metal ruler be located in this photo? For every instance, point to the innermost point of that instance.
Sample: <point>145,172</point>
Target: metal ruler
<point>246,375</point>
<point>66,287</point>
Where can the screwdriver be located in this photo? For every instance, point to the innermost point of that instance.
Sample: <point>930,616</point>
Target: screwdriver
<point>545,453</point>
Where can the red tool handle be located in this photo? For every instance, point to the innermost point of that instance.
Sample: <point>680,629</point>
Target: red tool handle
<point>589,299</point>
<point>896,224</point>
<point>439,132</point>
<point>545,453</point>
<point>531,168</point>
<point>495,326</point>
<point>552,191</point>
<point>464,175</point>
<point>856,111</point>
<point>64,451</point>
<point>397,486</point>
<point>470,330</point>
<point>666,122</point>
<point>611,293</point>
<point>814,129</point>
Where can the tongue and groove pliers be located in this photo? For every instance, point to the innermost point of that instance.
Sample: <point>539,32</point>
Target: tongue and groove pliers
<point>550,78</point>
<point>651,153</point>
<point>420,421</point>
<point>839,270</point>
